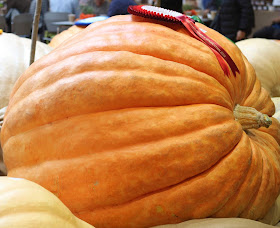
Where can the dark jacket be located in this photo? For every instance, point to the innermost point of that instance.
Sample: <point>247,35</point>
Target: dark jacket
<point>21,5</point>
<point>44,8</point>
<point>175,5</point>
<point>234,15</point>
<point>119,7</point>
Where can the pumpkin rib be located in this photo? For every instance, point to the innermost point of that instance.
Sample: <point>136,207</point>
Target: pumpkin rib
<point>253,95</point>
<point>272,155</point>
<point>77,90</point>
<point>109,28</point>
<point>166,215</point>
<point>83,115</point>
<point>93,45</point>
<point>272,144</point>
<point>273,130</point>
<point>271,160</point>
<point>266,194</point>
<point>255,209</point>
<point>267,107</point>
<point>260,103</point>
<point>118,193</point>
<point>167,188</point>
<point>259,99</point>
<point>255,194</point>
<point>169,47</point>
<point>143,196</point>
<point>124,143</point>
<point>95,63</point>
<point>138,28</point>
<point>251,79</point>
<point>127,26</point>
<point>248,189</point>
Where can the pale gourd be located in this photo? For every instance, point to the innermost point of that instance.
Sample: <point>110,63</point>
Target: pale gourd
<point>264,55</point>
<point>3,170</point>
<point>276,101</point>
<point>14,59</point>
<point>24,204</point>
<point>219,223</point>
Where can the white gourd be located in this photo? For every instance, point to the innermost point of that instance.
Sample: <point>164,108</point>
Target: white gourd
<point>219,223</point>
<point>264,55</point>
<point>14,60</point>
<point>276,101</point>
<point>25,204</point>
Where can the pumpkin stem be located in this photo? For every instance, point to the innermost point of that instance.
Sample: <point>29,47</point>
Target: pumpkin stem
<point>250,118</point>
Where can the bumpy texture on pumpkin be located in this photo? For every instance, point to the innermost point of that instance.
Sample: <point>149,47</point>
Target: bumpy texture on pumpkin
<point>130,123</point>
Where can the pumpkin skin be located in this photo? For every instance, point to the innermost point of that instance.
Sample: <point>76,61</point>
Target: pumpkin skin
<point>14,58</point>
<point>24,204</point>
<point>64,35</point>
<point>135,128</point>
<point>264,55</point>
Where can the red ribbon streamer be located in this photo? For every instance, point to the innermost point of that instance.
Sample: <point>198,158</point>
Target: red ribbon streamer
<point>220,53</point>
<point>189,24</point>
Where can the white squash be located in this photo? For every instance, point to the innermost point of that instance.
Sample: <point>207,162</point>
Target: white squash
<point>14,60</point>
<point>3,170</point>
<point>219,223</point>
<point>276,101</point>
<point>264,55</point>
<point>24,204</point>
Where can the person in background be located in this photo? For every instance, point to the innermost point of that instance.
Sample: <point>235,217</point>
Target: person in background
<point>119,7</point>
<point>175,5</point>
<point>14,8</point>
<point>100,7</point>
<point>205,3</point>
<point>21,5</point>
<point>44,9</point>
<point>269,32</point>
<point>66,6</point>
<point>3,7</point>
<point>235,18</point>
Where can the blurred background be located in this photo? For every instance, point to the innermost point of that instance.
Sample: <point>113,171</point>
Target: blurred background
<point>16,16</point>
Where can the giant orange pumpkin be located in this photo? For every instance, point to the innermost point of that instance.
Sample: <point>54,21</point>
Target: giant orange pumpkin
<point>132,123</point>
